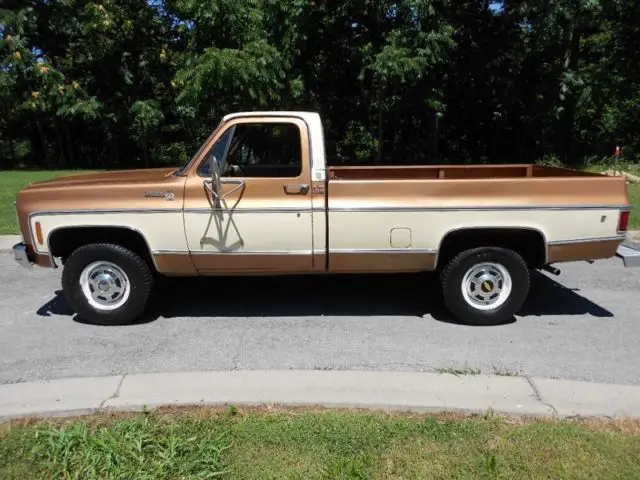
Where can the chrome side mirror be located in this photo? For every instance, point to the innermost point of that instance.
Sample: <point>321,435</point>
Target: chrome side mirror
<point>214,185</point>
<point>216,182</point>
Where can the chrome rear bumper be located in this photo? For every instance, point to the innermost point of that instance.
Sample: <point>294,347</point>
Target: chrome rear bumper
<point>630,256</point>
<point>21,255</point>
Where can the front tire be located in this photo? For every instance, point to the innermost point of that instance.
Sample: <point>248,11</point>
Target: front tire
<point>485,286</point>
<point>107,284</point>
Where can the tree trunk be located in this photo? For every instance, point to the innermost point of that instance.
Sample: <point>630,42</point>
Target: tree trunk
<point>571,59</point>
<point>378,159</point>
<point>63,159</point>
<point>145,151</point>
<point>380,137</point>
<point>70,146</point>
<point>43,144</point>
<point>12,150</point>
<point>432,139</point>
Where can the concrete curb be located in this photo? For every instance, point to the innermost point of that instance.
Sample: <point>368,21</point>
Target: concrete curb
<point>407,391</point>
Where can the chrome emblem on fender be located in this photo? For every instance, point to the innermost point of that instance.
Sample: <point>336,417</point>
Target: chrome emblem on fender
<point>169,195</point>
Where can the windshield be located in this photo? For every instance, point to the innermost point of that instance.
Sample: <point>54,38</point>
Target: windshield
<point>181,171</point>
<point>218,154</point>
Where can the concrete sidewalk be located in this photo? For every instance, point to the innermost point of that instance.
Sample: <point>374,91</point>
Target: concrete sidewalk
<point>418,392</point>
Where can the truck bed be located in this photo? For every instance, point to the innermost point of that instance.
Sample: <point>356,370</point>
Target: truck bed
<point>414,209</point>
<point>452,172</point>
<point>465,186</point>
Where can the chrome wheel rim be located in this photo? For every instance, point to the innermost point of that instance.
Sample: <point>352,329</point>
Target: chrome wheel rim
<point>486,286</point>
<point>105,285</point>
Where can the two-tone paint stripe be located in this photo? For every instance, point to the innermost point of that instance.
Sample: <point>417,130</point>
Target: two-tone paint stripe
<point>372,209</point>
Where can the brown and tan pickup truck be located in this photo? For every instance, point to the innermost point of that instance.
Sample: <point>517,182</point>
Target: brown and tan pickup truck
<point>259,199</point>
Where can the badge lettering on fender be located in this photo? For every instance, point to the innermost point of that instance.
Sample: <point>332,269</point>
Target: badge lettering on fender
<point>317,189</point>
<point>169,195</point>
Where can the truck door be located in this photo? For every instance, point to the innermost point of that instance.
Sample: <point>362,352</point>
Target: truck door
<point>256,216</point>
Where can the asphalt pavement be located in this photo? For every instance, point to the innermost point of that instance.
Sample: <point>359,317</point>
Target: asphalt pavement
<point>583,325</point>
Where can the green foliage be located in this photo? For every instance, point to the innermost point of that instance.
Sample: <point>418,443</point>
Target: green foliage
<point>549,161</point>
<point>146,116</point>
<point>115,83</point>
<point>251,75</point>
<point>358,144</point>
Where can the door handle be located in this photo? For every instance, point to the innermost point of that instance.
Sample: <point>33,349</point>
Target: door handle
<point>296,189</point>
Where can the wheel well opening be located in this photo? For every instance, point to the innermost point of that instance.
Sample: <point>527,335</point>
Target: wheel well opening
<point>63,242</point>
<point>528,243</point>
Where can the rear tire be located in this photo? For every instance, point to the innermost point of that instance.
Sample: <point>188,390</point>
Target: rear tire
<point>107,284</point>
<point>485,286</point>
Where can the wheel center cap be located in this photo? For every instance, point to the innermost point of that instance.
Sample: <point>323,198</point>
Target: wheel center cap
<point>104,283</point>
<point>487,286</point>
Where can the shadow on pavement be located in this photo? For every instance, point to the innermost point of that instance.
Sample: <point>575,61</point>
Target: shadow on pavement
<point>370,295</point>
<point>548,297</point>
<point>56,306</point>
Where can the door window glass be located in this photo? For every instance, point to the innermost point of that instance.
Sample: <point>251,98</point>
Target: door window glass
<point>260,150</point>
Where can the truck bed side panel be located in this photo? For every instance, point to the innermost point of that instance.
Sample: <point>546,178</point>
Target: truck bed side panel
<point>369,220</point>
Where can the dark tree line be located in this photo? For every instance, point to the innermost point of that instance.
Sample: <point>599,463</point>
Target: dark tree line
<point>134,83</point>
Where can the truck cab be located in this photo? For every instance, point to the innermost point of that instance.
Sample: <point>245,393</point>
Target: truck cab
<point>254,198</point>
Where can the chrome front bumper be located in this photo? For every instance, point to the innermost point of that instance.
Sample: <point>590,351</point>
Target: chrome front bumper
<point>21,255</point>
<point>630,256</point>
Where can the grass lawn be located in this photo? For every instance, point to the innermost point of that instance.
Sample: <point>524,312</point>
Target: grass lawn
<point>634,193</point>
<point>12,182</point>
<point>315,444</point>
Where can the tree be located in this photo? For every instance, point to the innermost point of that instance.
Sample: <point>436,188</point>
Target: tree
<point>126,83</point>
